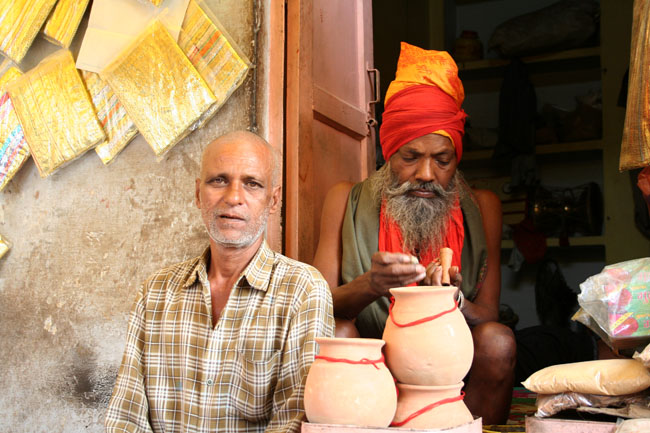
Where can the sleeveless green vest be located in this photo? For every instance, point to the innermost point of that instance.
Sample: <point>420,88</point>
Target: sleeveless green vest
<point>360,234</point>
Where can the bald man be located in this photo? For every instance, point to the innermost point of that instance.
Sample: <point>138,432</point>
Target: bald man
<point>223,342</point>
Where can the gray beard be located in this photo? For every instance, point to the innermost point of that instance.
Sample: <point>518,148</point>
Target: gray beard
<point>422,221</point>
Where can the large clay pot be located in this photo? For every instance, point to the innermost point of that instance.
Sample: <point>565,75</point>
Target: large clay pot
<point>430,407</point>
<point>349,384</point>
<point>427,339</point>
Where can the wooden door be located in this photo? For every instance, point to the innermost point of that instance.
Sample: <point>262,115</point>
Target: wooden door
<point>329,110</point>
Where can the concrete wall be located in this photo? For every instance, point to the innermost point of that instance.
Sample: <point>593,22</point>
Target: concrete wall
<point>83,240</point>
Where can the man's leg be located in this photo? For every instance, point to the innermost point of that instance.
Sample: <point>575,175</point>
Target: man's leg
<point>345,328</point>
<point>489,388</point>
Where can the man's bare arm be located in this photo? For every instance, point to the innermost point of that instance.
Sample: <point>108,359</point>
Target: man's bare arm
<point>485,307</point>
<point>388,270</point>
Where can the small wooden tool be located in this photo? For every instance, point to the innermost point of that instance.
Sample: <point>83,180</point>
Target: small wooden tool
<point>446,255</point>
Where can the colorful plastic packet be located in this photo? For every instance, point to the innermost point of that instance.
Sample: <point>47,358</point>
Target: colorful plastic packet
<point>212,53</point>
<point>118,126</point>
<point>20,22</point>
<point>63,23</point>
<point>159,88</point>
<point>55,112</point>
<point>4,246</point>
<point>13,147</point>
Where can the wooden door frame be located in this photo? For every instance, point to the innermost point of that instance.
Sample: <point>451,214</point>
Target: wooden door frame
<point>298,113</point>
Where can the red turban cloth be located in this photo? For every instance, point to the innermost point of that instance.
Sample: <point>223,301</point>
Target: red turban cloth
<point>424,98</point>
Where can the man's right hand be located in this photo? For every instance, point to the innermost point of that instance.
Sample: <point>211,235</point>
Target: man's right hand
<point>390,270</point>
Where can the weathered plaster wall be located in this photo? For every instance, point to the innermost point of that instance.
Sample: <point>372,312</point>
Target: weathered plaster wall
<point>83,240</point>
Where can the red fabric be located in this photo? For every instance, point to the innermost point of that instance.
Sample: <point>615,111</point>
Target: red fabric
<point>390,237</point>
<point>420,110</point>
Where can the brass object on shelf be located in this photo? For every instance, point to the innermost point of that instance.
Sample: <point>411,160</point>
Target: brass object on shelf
<point>160,89</point>
<point>55,112</point>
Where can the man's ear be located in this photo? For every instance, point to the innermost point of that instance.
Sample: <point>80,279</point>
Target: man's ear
<point>276,198</point>
<point>198,193</point>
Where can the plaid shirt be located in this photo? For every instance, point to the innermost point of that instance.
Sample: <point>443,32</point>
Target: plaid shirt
<point>247,373</point>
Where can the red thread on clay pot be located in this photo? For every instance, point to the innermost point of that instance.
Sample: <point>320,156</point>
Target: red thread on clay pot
<point>364,361</point>
<point>419,321</point>
<point>427,408</point>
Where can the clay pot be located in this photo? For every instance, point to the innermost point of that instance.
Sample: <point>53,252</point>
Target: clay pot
<point>349,384</point>
<point>430,407</point>
<point>436,347</point>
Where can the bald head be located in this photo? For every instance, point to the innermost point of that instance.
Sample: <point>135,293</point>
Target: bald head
<point>245,137</point>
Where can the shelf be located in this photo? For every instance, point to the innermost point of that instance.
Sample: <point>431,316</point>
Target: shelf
<point>578,53</point>
<point>580,241</point>
<point>541,149</point>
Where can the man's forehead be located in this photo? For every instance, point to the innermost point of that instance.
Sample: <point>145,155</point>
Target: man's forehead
<point>220,156</point>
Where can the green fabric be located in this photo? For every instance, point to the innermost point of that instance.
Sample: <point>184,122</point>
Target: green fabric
<point>360,234</point>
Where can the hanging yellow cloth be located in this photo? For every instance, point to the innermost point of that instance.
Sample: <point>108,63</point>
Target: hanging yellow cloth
<point>63,23</point>
<point>118,126</point>
<point>55,112</point>
<point>20,22</point>
<point>160,89</point>
<point>635,147</point>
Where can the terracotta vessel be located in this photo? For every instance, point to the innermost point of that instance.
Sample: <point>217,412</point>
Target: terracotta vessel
<point>349,384</point>
<point>427,339</point>
<point>430,407</point>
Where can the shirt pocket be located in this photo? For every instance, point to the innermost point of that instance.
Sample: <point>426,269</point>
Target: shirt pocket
<point>254,382</point>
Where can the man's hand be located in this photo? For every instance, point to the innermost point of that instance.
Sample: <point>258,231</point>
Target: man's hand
<point>434,275</point>
<point>389,270</point>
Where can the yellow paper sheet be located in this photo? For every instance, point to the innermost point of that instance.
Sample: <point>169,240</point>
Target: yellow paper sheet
<point>55,112</point>
<point>115,24</point>
<point>63,23</point>
<point>20,22</point>
<point>159,88</point>
<point>117,124</point>
<point>212,53</point>
<point>13,147</point>
<point>4,246</point>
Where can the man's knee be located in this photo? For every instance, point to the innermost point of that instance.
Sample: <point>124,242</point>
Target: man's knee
<point>345,328</point>
<point>494,343</point>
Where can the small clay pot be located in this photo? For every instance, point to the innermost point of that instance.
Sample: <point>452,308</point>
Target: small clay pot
<point>349,384</point>
<point>427,339</point>
<point>430,407</point>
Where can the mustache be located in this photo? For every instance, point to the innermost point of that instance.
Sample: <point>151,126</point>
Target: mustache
<point>406,187</point>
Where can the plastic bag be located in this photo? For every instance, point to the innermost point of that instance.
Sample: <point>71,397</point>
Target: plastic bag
<point>551,404</point>
<point>616,302</point>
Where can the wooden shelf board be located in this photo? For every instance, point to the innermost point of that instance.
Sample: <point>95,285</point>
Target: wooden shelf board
<point>541,149</point>
<point>549,57</point>
<point>580,241</point>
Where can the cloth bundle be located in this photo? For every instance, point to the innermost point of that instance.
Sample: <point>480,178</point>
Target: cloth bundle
<point>117,124</point>
<point>13,151</point>
<point>58,125</point>
<point>20,22</point>
<point>207,45</point>
<point>635,148</point>
<point>63,23</point>
<point>159,87</point>
<point>4,246</point>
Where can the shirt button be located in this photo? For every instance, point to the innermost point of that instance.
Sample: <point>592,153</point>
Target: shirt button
<point>210,382</point>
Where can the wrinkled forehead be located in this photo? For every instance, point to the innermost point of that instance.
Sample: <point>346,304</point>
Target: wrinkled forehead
<point>224,152</point>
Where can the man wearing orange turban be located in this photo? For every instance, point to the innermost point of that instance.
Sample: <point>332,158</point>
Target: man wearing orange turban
<point>387,231</point>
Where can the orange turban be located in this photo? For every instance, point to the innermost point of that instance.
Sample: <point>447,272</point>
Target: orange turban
<point>424,98</point>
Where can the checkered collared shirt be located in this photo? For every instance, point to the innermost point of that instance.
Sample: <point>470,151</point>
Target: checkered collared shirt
<point>246,374</point>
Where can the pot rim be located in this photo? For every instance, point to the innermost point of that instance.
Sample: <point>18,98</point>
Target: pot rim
<point>420,289</point>
<point>372,342</point>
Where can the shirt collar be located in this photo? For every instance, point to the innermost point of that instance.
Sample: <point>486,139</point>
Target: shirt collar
<point>257,273</point>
